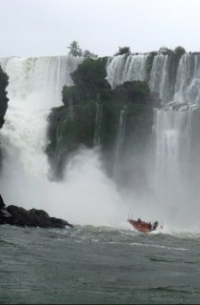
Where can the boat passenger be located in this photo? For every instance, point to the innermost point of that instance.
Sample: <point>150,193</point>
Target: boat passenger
<point>155,225</point>
<point>2,204</point>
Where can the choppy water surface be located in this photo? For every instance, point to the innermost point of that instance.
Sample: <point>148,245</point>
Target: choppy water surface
<point>97,265</point>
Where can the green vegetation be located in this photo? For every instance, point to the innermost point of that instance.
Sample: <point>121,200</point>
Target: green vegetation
<point>70,127</point>
<point>71,95</point>
<point>74,124</point>
<point>179,51</point>
<point>132,92</point>
<point>90,79</point>
<point>123,50</point>
<point>75,50</point>
<point>90,83</point>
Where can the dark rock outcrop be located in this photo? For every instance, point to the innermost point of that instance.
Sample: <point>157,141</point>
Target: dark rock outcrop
<point>2,204</point>
<point>18,216</point>
<point>3,104</point>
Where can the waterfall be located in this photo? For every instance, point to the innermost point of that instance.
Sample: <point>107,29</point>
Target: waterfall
<point>98,120</point>
<point>173,156</point>
<point>159,77</point>
<point>174,163</point>
<point>171,135</point>
<point>119,142</point>
<point>35,86</point>
<point>188,80</point>
<point>38,81</point>
<point>124,68</point>
<point>120,134</point>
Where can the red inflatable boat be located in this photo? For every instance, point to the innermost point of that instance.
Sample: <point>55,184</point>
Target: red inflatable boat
<point>142,226</point>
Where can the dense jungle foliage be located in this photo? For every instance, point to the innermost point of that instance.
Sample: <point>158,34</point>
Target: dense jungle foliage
<point>92,109</point>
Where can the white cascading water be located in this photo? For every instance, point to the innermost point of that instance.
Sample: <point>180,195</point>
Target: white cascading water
<point>119,143</point>
<point>124,68</point>
<point>188,80</point>
<point>169,170</point>
<point>173,191</point>
<point>98,121</point>
<point>35,86</point>
<point>159,77</point>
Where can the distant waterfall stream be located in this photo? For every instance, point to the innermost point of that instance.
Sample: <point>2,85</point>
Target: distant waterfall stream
<point>119,142</point>
<point>171,135</point>
<point>98,121</point>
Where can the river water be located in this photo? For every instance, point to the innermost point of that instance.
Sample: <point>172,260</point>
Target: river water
<point>94,265</point>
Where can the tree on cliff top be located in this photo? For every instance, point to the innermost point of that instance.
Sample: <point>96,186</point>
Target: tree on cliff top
<point>123,50</point>
<point>75,49</point>
<point>89,77</point>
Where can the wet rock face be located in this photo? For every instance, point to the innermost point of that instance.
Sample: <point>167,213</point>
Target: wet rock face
<point>18,216</point>
<point>3,106</point>
<point>2,204</point>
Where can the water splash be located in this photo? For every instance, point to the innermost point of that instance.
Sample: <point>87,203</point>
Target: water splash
<point>86,195</point>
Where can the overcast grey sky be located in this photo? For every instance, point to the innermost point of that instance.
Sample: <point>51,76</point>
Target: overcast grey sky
<point>47,27</point>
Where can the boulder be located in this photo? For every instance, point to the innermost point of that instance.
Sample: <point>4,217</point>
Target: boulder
<point>18,216</point>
